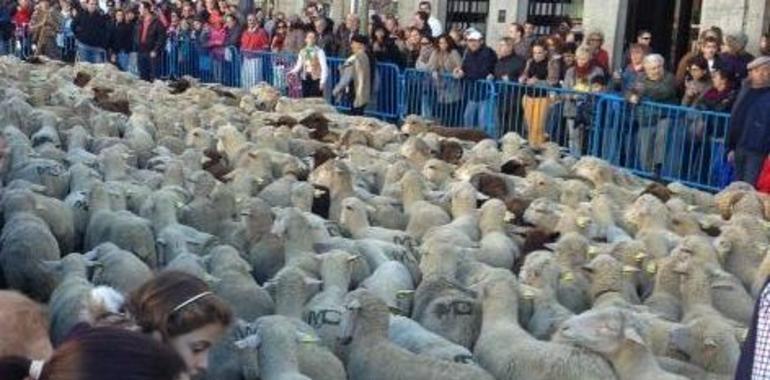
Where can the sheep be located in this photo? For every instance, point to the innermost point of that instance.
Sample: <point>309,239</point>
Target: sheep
<point>541,271</point>
<point>117,268</point>
<point>709,344</point>
<point>448,309</point>
<point>665,300</point>
<point>373,356</point>
<point>410,335</point>
<point>497,249</point>
<point>609,282</point>
<point>24,328</point>
<point>59,217</point>
<point>353,217</point>
<point>507,351</point>
<point>49,173</point>
<point>122,228</point>
<point>740,255</point>
<point>422,215</point>
<point>235,284</point>
<point>610,333</point>
<point>571,254</point>
<point>276,341</point>
<point>324,310</point>
<point>25,243</point>
<point>392,283</point>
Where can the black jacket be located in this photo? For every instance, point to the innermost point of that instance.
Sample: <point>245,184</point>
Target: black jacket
<point>90,28</point>
<point>121,37</point>
<point>479,64</point>
<point>511,66</point>
<point>156,37</point>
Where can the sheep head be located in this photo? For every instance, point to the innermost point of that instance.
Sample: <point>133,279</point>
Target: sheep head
<point>571,249</point>
<point>365,316</point>
<point>647,211</point>
<point>437,171</point>
<point>540,271</point>
<point>493,215</point>
<point>605,331</point>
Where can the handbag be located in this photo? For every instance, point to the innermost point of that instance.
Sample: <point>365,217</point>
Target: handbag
<point>763,182</point>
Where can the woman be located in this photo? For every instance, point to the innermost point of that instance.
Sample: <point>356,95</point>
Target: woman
<point>625,80</point>
<point>734,57</point>
<point>121,40</point>
<point>311,67</point>
<point>421,23</point>
<point>681,68</point>
<point>601,57</point>
<point>295,38</point>
<point>442,63</point>
<point>43,27</point>
<point>254,41</point>
<point>356,80</point>
<point>721,96</point>
<point>657,86</point>
<point>279,37</point>
<point>98,354</point>
<point>697,82</point>
<point>214,37</point>
<point>384,48</point>
<point>578,79</point>
<point>538,72</point>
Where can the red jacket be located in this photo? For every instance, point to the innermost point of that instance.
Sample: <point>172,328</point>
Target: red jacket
<point>256,40</point>
<point>602,59</point>
<point>22,16</point>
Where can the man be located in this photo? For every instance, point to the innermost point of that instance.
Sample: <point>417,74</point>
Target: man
<point>748,141</point>
<point>150,38</point>
<point>344,34</point>
<point>709,51</point>
<point>520,46</point>
<point>325,37</point>
<point>356,79</point>
<point>644,38</point>
<point>436,28</point>
<point>90,27</point>
<point>478,64</point>
<point>43,26</point>
<point>529,33</point>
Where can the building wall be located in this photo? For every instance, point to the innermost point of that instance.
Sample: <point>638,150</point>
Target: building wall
<point>515,11</point>
<point>748,16</point>
<point>609,16</point>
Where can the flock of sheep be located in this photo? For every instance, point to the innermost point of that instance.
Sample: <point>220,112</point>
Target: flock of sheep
<point>350,248</point>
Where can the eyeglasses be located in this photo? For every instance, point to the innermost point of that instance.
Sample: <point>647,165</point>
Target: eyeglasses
<point>424,43</point>
<point>596,40</point>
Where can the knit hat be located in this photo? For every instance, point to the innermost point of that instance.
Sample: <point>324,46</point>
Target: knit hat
<point>474,35</point>
<point>761,61</point>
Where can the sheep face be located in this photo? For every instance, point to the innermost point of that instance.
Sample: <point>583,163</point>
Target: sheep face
<point>646,208</point>
<point>544,213</point>
<point>437,171</point>
<point>354,212</point>
<point>538,270</point>
<point>602,330</point>
<point>707,343</point>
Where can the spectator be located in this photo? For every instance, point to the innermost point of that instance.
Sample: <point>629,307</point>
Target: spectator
<point>295,38</point>
<point>509,66</point>
<point>150,41</point>
<point>89,27</point>
<point>721,96</point>
<point>568,59</point>
<point>579,79</point>
<point>384,48</point>
<point>392,26</point>
<point>254,40</point>
<point>478,64</point>
<point>23,14</point>
<point>6,25</point>
<point>436,28</point>
<point>325,34</point>
<point>121,40</point>
<point>697,82</point>
<point>213,14</point>
<point>709,51</point>
<point>356,78</point>
<point>634,71</point>
<point>65,39</point>
<point>529,33</point>
<point>423,59</point>
<point>600,56</point>
<point>520,46</point>
<point>681,68</point>
<point>421,23</point>
<point>312,68</point>
<point>234,31</point>
<point>734,57</point>
<point>101,353</point>
<point>413,46</point>
<point>459,39</point>
<point>764,44</point>
<point>556,57</point>
<point>345,33</point>
<point>276,45</point>
<point>748,141</point>
<point>444,60</point>
<point>538,72</point>
<point>44,25</point>
<point>644,39</point>
<point>656,85</point>
<point>188,12</point>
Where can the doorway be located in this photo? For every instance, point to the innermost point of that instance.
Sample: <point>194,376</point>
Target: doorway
<point>672,23</point>
<point>463,14</point>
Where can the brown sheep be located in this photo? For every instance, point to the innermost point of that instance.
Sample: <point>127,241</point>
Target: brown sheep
<point>413,125</point>
<point>23,327</point>
<point>450,151</point>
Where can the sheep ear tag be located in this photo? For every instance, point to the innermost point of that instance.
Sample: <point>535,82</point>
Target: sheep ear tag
<point>303,338</point>
<point>651,268</point>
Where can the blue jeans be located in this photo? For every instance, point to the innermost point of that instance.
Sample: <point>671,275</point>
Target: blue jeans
<point>478,114</point>
<point>4,46</point>
<point>91,54</point>
<point>123,61</point>
<point>748,166</point>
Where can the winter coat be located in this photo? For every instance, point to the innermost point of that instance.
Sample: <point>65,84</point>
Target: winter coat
<point>510,66</point>
<point>155,39</point>
<point>444,64</point>
<point>255,40</point>
<point>89,28</point>
<point>356,71</point>
<point>43,27</point>
<point>121,37</point>
<point>750,118</point>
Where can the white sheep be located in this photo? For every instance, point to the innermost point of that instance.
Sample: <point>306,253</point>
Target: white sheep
<point>497,249</point>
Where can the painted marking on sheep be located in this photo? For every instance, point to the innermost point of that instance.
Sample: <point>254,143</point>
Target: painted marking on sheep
<point>52,170</point>
<point>318,318</point>
<point>405,241</point>
<point>244,331</point>
<point>333,229</point>
<point>463,359</point>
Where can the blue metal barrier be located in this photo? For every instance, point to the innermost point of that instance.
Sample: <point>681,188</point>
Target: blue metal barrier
<point>453,102</point>
<point>673,142</point>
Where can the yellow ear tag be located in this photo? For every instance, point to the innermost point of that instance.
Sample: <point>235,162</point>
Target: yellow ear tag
<point>593,251</point>
<point>582,222</point>
<point>651,267</point>
<point>509,216</point>
<point>568,277</point>
<point>629,269</point>
<point>640,256</point>
<point>527,294</point>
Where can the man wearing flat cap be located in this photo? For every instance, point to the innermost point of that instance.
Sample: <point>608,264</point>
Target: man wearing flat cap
<point>749,143</point>
<point>748,140</point>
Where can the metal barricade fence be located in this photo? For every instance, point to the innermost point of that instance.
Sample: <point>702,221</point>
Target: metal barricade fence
<point>450,101</point>
<point>652,139</point>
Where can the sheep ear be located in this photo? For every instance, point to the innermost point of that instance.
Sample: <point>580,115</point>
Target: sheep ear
<point>90,255</point>
<point>313,282</point>
<point>352,259</point>
<point>550,246</point>
<point>403,294</point>
<point>270,286</point>
<point>252,341</point>
<point>630,269</point>
<point>370,209</point>
<point>632,335</point>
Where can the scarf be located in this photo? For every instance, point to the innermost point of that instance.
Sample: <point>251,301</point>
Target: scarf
<point>583,72</point>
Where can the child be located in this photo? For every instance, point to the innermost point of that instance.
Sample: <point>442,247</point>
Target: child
<point>578,138</point>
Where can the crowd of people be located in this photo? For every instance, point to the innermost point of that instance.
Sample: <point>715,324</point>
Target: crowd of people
<point>708,78</point>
